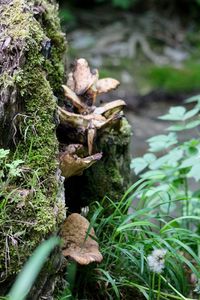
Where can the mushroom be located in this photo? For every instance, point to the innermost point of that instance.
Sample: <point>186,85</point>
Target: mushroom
<point>88,123</point>
<point>73,165</point>
<point>79,240</point>
<point>82,87</point>
<point>74,99</point>
<point>110,109</point>
<point>77,120</point>
<point>105,85</point>
<point>82,78</point>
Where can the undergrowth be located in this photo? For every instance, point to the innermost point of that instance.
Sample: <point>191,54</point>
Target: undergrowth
<point>159,214</point>
<point>149,238</point>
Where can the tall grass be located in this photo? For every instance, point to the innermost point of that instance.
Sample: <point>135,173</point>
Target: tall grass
<point>126,239</point>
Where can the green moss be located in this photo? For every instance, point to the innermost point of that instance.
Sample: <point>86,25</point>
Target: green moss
<point>111,175</point>
<point>37,82</point>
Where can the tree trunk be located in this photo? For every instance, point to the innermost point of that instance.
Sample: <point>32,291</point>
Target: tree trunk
<point>31,74</point>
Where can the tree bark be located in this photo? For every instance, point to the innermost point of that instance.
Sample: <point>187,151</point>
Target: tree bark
<point>31,73</point>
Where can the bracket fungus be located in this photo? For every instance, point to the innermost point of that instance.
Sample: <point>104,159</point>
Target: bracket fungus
<point>79,244</point>
<point>71,164</point>
<point>83,85</point>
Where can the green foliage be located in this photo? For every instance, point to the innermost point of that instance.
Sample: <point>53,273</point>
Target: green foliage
<point>159,211</point>
<point>8,171</point>
<point>169,78</point>
<point>30,271</point>
<point>179,162</point>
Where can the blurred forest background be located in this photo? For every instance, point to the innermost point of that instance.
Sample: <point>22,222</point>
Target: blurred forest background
<point>152,47</point>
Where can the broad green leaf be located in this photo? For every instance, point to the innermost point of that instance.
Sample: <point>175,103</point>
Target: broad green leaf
<point>193,124</point>
<point>162,142</point>
<point>168,207</point>
<point>189,162</point>
<point>187,126</point>
<point>195,171</point>
<point>176,113</point>
<point>29,273</point>
<point>140,163</point>
<point>191,113</point>
<point>149,157</point>
<point>193,99</point>
<point>169,159</point>
<point>177,127</point>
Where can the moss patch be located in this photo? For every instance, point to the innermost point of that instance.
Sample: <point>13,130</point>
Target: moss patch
<point>111,175</point>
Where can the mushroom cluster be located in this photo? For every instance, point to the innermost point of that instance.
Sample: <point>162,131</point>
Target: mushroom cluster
<point>84,118</point>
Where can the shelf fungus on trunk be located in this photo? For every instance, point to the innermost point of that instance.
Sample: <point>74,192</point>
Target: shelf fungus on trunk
<point>73,162</point>
<point>83,85</point>
<point>79,240</point>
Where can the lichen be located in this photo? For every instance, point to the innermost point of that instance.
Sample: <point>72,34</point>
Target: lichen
<point>37,80</point>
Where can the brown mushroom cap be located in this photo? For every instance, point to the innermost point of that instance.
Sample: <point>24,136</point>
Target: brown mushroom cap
<point>82,78</point>
<point>75,100</point>
<point>71,164</point>
<point>77,120</point>
<point>111,108</point>
<point>105,85</point>
<point>79,245</point>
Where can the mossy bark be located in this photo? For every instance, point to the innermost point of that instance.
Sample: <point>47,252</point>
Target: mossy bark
<point>107,179</point>
<point>31,73</point>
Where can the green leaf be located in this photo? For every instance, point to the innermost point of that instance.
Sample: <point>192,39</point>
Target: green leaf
<point>155,175</point>
<point>3,153</point>
<point>162,142</point>
<point>170,159</point>
<point>27,276</point>
<point>193,99</point>
<point>180,127</point>
<point>189,162</point>
<point>177,127</point>
<point>135,224</point>
<point>14,170</point>
<point>179,113</point>
<point>171,223</point>
<point>195,172</point>
<point>176,113</point>
<point>193,124</point>
<point>140,163</point>
<point>191,113</point>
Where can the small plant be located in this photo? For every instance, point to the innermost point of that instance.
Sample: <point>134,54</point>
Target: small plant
<point>176,164</point>
<point>9,171</point>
